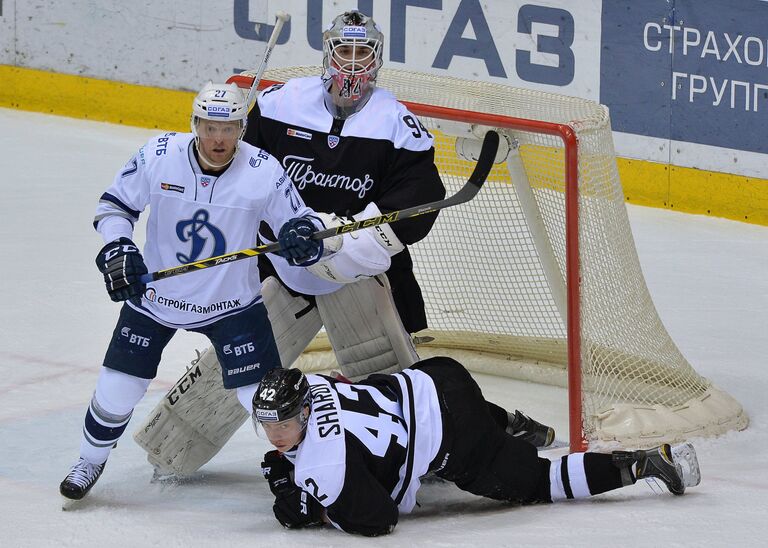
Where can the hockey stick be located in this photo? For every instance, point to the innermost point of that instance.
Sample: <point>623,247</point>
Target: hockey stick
<point>465,194</point>
<point>281,18</point>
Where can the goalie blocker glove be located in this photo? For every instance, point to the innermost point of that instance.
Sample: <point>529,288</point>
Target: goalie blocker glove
<point>122,266</point>
<point>294,508</point>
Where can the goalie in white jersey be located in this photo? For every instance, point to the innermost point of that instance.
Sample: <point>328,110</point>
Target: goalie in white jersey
<point>207,193</point>
<point>351,455</point>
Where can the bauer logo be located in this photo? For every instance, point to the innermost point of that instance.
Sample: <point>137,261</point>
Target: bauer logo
<point>218,111</point>
<point>353,32</point>
<point>244,369</point>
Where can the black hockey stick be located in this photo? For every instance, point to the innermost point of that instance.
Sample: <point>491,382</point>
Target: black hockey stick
<point>465,194</point>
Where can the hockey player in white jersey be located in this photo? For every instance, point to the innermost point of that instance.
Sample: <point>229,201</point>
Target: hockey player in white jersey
<point>207,193</point>
<point>352,150</point>
<point>351,455</point>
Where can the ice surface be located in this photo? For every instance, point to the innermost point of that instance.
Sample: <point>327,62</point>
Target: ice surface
<point>709,279</point>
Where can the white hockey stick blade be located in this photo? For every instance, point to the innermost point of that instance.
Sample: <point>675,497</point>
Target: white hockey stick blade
<point>685,455</point>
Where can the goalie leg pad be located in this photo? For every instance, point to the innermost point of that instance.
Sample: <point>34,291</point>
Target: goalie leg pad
<point>295,321</point>
<point>365,329</point>
<point>193,421</point>
<point>198,415</point>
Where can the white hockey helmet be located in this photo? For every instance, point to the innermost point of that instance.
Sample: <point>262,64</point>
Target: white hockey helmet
<point>352,56</point>
<point>219,103</point>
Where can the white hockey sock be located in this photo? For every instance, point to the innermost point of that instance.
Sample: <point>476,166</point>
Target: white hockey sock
<point>568,479</point>
<point>109,412</point>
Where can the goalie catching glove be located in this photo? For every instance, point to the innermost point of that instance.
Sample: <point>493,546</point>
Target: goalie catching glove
<point>122,266</point>
<point>294,508</point>
<point>361,254</point>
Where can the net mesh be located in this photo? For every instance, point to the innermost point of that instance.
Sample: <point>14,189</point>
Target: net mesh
<point>492,270</point>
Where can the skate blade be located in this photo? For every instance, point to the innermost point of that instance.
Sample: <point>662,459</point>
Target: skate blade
<point>69,505</point>
<point>556,444</point>
<point>684,455</point>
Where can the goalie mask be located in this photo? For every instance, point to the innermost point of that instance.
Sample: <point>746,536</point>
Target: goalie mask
<point>219,115</point>
<point>352,49</point>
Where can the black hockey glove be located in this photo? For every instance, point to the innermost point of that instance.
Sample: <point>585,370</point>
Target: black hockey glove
<point>277,471</point>
<point>296,246</point>
<point>122,266</point>
<point>296,508</point>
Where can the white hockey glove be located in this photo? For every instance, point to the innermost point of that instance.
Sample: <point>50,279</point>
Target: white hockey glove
<point>355,255</point>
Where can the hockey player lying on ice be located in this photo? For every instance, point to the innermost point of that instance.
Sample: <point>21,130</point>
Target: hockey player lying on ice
<point>351,455</point>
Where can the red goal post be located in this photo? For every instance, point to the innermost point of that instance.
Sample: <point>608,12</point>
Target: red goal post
<point>560,298</point>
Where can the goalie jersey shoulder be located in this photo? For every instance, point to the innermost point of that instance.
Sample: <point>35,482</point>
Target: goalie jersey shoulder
<point>385,118</point>
<point>299,103</point>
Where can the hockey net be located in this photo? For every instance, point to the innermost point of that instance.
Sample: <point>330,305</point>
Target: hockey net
<point>538,278</point>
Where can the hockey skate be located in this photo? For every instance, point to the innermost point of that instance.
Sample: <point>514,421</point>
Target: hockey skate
<point>660,464</point>
<point>685,455</point>
<point>524,427</point>
<point>80,479</point>
<point>677,467</point>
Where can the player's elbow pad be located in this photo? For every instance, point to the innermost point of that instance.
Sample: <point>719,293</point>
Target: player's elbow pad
<point>360,254</point>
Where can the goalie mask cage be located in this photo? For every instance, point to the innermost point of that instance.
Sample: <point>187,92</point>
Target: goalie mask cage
<point>537,278</point>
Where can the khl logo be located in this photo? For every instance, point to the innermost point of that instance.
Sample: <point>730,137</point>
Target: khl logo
<point>198,231</point>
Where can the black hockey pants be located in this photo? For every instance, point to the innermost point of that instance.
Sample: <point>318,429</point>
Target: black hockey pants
<point>476,453</point>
